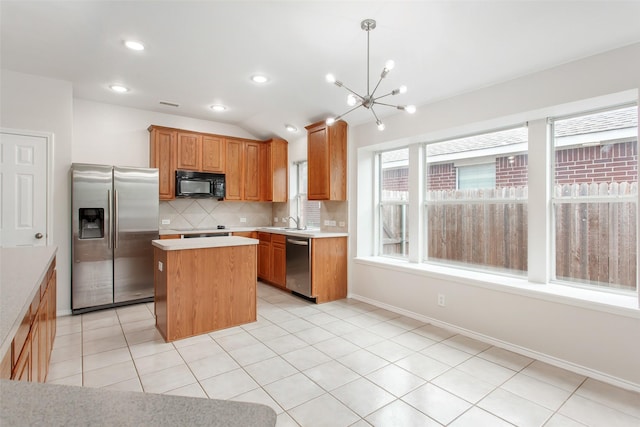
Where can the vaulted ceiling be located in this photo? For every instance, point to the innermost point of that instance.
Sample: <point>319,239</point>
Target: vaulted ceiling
<point>200,53</point>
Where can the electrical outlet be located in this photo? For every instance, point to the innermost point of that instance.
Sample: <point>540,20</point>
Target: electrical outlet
<point>166,221</point>
<point>327,222</point>
<point>441,301</point>
<point>160,265</point>
<point>243,219</point>
<point>342,224</point>
<point>275,219</point>
<point>332,223</point>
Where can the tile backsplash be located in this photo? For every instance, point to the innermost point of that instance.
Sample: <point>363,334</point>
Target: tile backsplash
<point>187,214</point>
<point>190,214</point>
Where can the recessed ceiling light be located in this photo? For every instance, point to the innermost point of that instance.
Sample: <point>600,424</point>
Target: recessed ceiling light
<point>218,107</point>
<point>119,88</point>
<point>259,78</point>
<point>134,45</point>
<point>291,128</point>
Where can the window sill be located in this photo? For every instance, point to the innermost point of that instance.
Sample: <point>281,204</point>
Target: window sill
<point>624,305</point>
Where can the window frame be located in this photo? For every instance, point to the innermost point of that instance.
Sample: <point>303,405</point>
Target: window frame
<point>556,201</point>
<point>382,203</point>
<point>481,159</point>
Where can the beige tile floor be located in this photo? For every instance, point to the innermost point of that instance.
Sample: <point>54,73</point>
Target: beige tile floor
<point>343,363</point>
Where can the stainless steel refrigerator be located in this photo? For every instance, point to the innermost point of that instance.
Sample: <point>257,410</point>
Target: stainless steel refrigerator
<point>115,218</point>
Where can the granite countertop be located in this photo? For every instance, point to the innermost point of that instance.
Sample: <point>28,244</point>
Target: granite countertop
<point>21,272</point>
<point>202,243</point>
<point>36,404</point>
<point>311,232</point>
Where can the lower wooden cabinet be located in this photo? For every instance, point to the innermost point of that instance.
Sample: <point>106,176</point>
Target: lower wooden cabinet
<point>329,268</point>
<point>28,358</point>
<point>272,259</point>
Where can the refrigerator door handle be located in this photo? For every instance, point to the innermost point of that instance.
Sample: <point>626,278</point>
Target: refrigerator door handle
<point>115,218</point>
<point>110,234</point>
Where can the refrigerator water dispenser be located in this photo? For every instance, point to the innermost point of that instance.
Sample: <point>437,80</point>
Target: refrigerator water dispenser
<point>91,221</point>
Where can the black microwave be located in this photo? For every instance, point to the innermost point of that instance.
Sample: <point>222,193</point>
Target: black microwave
<point>200,184</point>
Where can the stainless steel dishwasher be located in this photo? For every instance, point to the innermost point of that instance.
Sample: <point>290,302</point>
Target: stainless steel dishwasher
<point>299,265</point>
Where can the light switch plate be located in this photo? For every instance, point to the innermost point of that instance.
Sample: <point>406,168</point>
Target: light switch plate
<point>342,224</point>
<point>160,265</point>
<point>166,221</point>
<point>243,219</point>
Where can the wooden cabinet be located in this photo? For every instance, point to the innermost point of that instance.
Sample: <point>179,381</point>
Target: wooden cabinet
<point>195,295</point>
<point>234,171</point>
<point>279,260</point>
<point>329,268</point>
<point>161,155</point>
<point>327,161</point>
<point>243,170</point>
<point>255,171</point>
<point>172,149</point>
<point>264,256</point>
<point>274,158</point>
<point>189,151</point>
<point>252,171</point>
<point>213,153</point>
<point>169,236</point>
<point>32,353</point>
<point>272,259</point>
<point>249,234</point>
<point>200,152</point>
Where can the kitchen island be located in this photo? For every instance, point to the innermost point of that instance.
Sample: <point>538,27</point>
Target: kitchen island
<point>203,285</point>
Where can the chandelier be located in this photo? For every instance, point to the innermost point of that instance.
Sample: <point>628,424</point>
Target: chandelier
<point>369,100</point>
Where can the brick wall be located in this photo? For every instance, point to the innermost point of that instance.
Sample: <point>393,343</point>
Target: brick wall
<point>396,179</point>
<point>512,172</point>
<point>605,163</point>
<point>442,177</point>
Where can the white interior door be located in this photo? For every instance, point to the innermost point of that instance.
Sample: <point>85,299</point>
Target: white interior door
<point>23,183</point>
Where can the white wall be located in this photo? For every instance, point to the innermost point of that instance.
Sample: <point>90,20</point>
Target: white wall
<point>40,104</point>
<point>589,339</point>
<point>110,134</point>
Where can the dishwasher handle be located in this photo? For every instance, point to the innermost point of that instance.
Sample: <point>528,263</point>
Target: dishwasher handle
<point>298,242</point>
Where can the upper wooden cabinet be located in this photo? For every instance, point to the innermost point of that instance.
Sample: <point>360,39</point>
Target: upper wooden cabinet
<point>327,161</point>
<point>200,152</point>
<point>161,155</point>
<point>252,171</point>
<point>234,170</point>
<point>213,153</point>
<point>189,151</point>
<point>274,158</point>
<point>255,171</point>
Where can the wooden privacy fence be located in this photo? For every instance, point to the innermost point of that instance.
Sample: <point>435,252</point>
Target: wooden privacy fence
<point>596,239</point>
<point>595,230</point>
<point>484,227</point>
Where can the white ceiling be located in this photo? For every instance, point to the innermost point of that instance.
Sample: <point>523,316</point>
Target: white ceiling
<point>201,53</point>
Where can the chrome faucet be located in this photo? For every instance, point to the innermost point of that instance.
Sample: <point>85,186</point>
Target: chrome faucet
<point>297,221</point>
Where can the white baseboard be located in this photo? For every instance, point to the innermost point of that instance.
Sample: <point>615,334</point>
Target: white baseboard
<point>560,363</point>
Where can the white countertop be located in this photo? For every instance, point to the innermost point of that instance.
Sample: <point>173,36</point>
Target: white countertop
<point>21,272</point>
<point>202,243</point>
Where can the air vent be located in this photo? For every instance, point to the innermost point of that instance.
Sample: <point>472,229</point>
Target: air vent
<point>170,104</point>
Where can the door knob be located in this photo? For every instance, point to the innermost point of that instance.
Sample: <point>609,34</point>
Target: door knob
<point>38,235</point>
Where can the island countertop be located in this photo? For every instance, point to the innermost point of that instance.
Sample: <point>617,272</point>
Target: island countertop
<point>21,272</point>
<point>36,404</point>
<point>202,243</point>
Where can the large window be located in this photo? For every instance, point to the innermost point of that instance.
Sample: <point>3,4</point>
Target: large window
<point>394,197</point>
<point>308,210</point>
<point>476,201</point>
<point>595,198</point>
